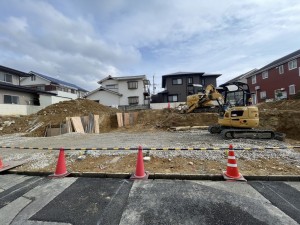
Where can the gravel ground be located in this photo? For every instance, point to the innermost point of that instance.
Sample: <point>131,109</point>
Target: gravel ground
<point>157,139</point>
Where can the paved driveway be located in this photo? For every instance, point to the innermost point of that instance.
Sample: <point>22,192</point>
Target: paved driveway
<point>43,201</point>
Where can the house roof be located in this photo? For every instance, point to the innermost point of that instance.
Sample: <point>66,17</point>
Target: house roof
<point>103,89</point>
<point>280,61</point>
<point>13,71</point>
<point>56,81</point>
<point>109,77</point>
<point>203,74</point>
<point>12,87</point>
<point>244,75</point>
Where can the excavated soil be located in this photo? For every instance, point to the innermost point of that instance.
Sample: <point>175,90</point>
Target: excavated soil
<point>282,116</point>
<point>178,165</point>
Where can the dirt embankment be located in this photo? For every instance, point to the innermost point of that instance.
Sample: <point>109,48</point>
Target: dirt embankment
<point>282,116</point>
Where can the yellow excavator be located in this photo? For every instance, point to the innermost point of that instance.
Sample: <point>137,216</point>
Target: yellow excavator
<point>238,118</point>
<point>204,101</point>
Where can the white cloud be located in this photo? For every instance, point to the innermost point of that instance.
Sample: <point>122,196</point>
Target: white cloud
<point>85,42</point>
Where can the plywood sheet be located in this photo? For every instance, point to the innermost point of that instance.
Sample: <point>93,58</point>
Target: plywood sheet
<point>96,124</point>
<point>76,121</point>
<point>120,119</point>
<point>126,119</point>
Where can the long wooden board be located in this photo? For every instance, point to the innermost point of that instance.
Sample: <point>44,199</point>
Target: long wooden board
<point>96,124</point>
<point>126,119</point>
<point>76,121</point>
<point>120,119</point>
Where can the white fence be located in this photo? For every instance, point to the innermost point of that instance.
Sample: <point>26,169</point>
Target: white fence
<point>165,105</point>
<point>10,110</point>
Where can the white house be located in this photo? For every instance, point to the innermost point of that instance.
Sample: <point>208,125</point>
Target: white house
<point>19,100</point>
<point>122,91</point>
<point>63,90</point>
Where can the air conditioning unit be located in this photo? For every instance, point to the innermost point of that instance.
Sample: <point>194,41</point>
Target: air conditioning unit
<point>257,88</point>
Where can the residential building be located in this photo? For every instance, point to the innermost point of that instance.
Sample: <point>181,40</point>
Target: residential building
<point>243,77</point>
<point>12,93</point>
<point>62,89</point>
<point>279,79</point>
<point>181,84</point>
<point>122,91</point>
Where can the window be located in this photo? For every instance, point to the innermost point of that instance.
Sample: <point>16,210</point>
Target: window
<point>190,80</point>
<point>40,88</point>
<point>132,84</point>
<point>292,64</point>
<point>281,69</point>
<point>134,100</point>
<point>254,79</point>
<point>177,81</point>
<point>33,77</point>
<point>10,99</point>
<point>263,95</point>
<point>111,86</point>
<point>265,75</point>
<point>6,78</point>
<point>292,89</point>
<point>172,98</point>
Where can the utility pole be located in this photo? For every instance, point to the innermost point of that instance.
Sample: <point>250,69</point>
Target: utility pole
<point>153,86</point>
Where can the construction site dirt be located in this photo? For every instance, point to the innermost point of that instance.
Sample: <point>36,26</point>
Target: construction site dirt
<point>152,130</point>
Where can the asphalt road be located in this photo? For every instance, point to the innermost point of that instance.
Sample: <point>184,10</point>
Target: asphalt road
<point>44,201</point>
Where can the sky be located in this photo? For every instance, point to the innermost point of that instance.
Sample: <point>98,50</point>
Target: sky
<point>84,41</point>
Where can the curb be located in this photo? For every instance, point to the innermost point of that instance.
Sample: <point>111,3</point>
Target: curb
<point>168,176</point>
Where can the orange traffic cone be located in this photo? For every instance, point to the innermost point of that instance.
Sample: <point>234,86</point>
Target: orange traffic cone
<point>140,172</point>
<point>232,172</point>
<point>61,169</point>
<point>3,166</point>
<point>1,163</point>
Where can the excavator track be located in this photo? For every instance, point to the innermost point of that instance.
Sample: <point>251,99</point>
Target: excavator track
<point>249,133</point>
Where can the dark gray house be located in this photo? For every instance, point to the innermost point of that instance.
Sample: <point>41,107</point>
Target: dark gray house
<point>179,85</point>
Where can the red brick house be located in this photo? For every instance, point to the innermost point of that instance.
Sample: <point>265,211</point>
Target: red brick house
<point>278,80</point>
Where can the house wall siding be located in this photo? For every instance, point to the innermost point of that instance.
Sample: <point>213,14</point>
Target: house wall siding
<point>105,98</point>
<point>276,81</point>
<point>24,98</point>
<point>181,90</point>
<point>15,78</point>
<point>123,89</point>
<point>38,81</point>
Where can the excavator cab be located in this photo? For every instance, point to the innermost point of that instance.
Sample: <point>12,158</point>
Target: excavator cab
<point>236,111</point>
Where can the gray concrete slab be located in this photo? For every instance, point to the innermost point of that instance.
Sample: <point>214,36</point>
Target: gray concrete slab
<point>295,185</point>
<point>19,190</point>
<point>9,212</point>
<point>42,195</point>
<point>186,202</point>
<point>88,201</point>
<point>9,180</point>
<point>44,201</point>
<point>281,195</point>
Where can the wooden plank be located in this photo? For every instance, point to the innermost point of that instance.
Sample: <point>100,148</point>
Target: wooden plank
<point>131,119</point>
<point>85,123</point>
<point>69,125</point>
<point>120,119</point>
<point>96,124</point>
<point>126,119</point>
<point>135,116</point>
<point>91,123</point>
<point>76,121</point>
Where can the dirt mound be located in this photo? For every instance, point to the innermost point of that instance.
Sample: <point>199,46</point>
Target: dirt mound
<point>54,115</point>
<point>282,116</point>
<point>166,118</point>
<point>280,105</point>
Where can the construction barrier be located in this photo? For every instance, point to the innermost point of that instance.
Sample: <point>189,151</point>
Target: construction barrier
<point>148,149</point>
